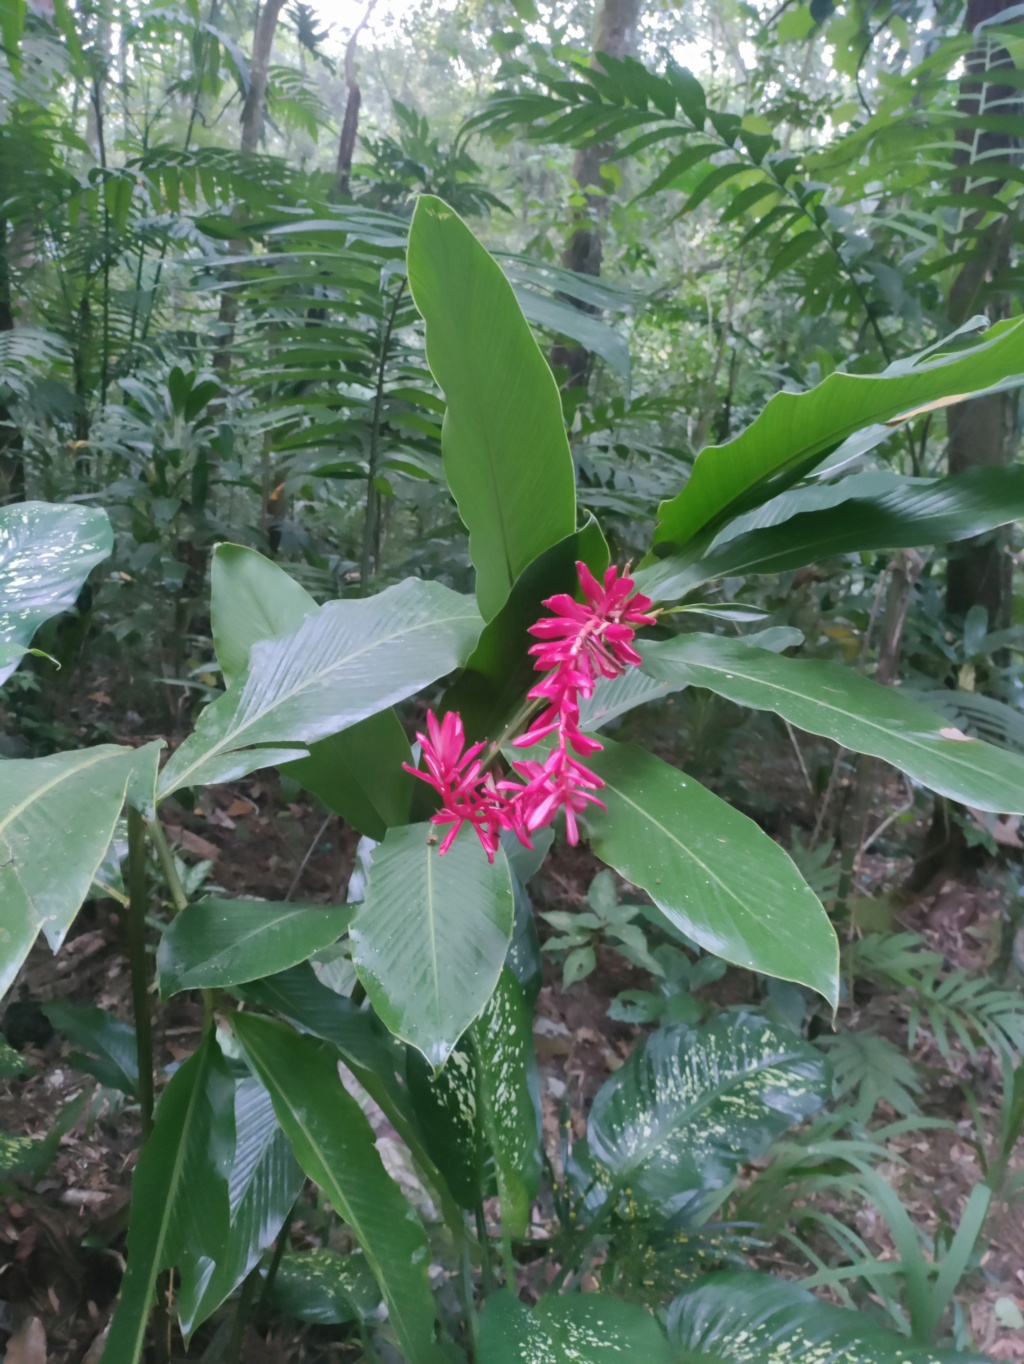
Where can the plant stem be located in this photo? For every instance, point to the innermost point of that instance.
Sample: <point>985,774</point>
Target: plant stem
<point>371,523</point>
<point>275,1260</point>
<point>166,859</point>
<point>137,898</point>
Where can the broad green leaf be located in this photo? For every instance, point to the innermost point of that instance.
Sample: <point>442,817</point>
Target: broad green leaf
<point>907,514</point>
<point>216,943</point>
<point>358,772</point>
<point>500,671</point>
<point>334,1144</point>
<point>367,1048</point>
<point>429,939</point>
<point>70,802</point>
<point>479,1115</point>
<point>710,870</point>
<point>251,598</point>
<point>859,714</point>
<point>796,430</point>
<point>740,1317</point>
<point>47,550</point>
<point>108,1044</point>
<point>581,1328</point>
<point>179,1192</point>
<point>350,660</point>
<point>359,775</point>
<point>668,1132</point>
<point>264,1180</point>
<point>506,456</point>
<point>509,1098</point>
<point>324,1287</point>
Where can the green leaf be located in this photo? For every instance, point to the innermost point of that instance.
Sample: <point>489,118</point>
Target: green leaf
<point>509,1098</point>
<point>359,775</point>
<point>740,1317</point>
<point>479,1115</point>
<point>500,671</point>
<point>215,943</point>
<point>251,598</point>
<point>69,801</point>
<point>796,430</point>
<point>350,660</point>
<point>108,1044</point>
<point>668,1132</point>
<point>592,1328</point>
<point>324,1287</point>
<point>859,714</point>
<point>358,772</point>
<point>906,514</point>
<point>47,550</point>
<point>430,938</point>
<point>710,870</point>
<point>179,1191</point>
<point>334,1144</point>
<point>264,1180</point>
<point>367,1048</point>
<point>506,456</point>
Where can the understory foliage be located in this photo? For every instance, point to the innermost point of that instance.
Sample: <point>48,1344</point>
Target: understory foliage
<point>286,465</point>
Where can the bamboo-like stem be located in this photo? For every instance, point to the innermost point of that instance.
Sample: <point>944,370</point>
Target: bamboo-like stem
<point>137,905</point>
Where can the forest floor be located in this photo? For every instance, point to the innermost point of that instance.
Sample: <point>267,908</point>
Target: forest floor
<point>61,1232</point>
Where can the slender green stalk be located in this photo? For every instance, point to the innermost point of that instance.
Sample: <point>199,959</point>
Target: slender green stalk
<point>166,859</point>
<point>137,901</point>
<point>275,1261</point>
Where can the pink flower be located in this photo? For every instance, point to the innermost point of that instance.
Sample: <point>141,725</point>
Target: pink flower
<point>468,794</point>
<point>560,782</point>
<point>580,643</point>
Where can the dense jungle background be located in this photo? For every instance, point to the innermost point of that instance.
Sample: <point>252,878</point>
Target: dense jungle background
<point>207,333</point>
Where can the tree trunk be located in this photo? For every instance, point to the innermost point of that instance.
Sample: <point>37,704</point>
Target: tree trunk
<point>615,36</point>
<point>982,432</point>
<point>350,123</point>
<point>252,129</point>
<point>12,464</point>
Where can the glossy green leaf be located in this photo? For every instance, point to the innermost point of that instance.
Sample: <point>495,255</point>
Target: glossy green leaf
<point>107,1044</point>
<point>264,1180</point>
<point>69,801</point>
<point>862,715</point>
<point>47,550</point>
<point>796,430</point>
<point>367,1048</point>
<point>179,1192</point>
<point>251,598</point>
<point>357,772</point>
<point>740,1317</point>
<point>324,1287</point>
<point>430,938</point>
<point>500,671</point>
<point>509,1098</point>
<point>710,870</point>
<point>215,943</point>
<point>908,513</point>
<point>506,456</point>
<point>668,1132</point>
<point>479,1115</point>
<point>581,1328</point>
<point>350,660</point>
<point>359,775</point>
<point>334,1144</point>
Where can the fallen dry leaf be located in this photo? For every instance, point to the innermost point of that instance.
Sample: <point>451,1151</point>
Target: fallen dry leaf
<point>28,1344</point>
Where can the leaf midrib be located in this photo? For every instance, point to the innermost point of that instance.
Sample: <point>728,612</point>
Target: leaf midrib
<point>230,740</point>
<point>922,742</point>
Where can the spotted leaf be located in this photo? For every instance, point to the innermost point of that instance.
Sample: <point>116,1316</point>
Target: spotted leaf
<point>744,1318</point>
<point>592,1328</point>
<point>670,1130</point>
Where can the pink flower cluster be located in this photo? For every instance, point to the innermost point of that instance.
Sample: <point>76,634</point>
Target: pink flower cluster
<point>579,643</point>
